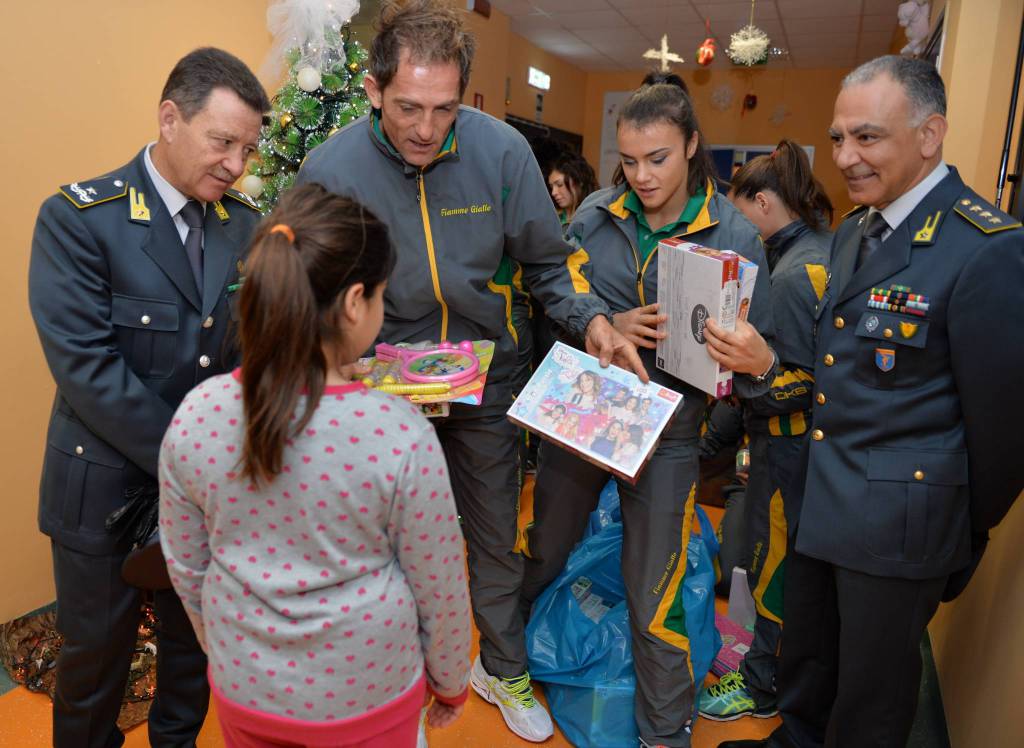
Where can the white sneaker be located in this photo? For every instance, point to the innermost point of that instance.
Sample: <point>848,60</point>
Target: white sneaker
<point>523,714</point>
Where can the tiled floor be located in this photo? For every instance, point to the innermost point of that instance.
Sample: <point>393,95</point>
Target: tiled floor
<point>25,721</point>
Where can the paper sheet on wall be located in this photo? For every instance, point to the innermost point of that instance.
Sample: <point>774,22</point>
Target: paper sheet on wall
<point>613,101</point>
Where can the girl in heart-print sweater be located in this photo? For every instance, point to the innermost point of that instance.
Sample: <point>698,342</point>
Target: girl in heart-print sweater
<point>308,522</point>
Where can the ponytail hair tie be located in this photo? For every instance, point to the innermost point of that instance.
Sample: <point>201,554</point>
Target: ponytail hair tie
<point>283,228</point>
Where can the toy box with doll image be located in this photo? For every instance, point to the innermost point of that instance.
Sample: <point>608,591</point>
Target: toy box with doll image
<point>695,283</point>
<point>607,416</point>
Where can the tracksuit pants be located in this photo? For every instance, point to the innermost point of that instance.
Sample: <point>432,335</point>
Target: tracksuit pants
<point>481,449</point>
<point>773,461</point>
<point>656,516</point>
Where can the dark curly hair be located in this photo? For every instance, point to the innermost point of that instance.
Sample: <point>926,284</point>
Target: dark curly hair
<point>579,176</point>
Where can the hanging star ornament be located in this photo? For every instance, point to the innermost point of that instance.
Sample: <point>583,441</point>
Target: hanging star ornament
<point>663,55</point>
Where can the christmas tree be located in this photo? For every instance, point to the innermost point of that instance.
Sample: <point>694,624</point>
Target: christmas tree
<point>323,93</point>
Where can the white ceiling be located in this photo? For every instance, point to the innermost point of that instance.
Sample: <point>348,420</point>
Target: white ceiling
<point>614,34</point>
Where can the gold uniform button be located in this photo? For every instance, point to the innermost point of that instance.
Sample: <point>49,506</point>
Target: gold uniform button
<point>918,475</point>
<point>839,322</point>
<point>887,332</point>
<point>820,398</point>
<point>204,361</point>
<point>79,450</point>
<point>208,322</point>
<point>829,359</point>
<point>146,319</point>
<point>817,435</point>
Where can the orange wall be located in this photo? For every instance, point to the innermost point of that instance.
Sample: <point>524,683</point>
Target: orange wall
<point>83,82</point>
<point>503,55</point>
<point>807,94</point>
<point>564,103</point>
<point>491,61</point>
<point>978,639</point>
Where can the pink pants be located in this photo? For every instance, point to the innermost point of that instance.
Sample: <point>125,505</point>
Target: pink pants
<point>392,725</point>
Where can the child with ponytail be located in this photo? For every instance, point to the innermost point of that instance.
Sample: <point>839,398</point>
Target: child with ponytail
<point>308,522</point>
<point>780,195</point>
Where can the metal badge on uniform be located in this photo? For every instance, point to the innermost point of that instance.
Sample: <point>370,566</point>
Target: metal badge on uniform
<point>137,203</point>
<point>885,358</point>
<point>871,323</point>
<point>907,329</point>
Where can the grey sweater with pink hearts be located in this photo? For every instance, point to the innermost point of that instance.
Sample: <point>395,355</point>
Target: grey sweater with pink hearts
<point>327,592</point>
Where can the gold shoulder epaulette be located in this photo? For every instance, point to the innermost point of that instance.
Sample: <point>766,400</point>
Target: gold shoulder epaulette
<point>95,191</point>
<point>982,214</point>
<point>243,198</point>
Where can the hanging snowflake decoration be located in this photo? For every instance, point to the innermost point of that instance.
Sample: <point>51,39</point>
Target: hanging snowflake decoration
<point>722,96</point>
<point>748,46</point>
<point>779,115</point>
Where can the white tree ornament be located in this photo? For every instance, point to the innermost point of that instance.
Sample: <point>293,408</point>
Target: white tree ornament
<point>252,186</point>
<point>308,79</point>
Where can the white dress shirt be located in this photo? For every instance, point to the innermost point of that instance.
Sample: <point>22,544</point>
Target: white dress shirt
<point>899,209</point>
<point>171,197</point>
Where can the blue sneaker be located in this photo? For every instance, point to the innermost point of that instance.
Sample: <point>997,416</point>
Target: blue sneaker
<point>728,700</point>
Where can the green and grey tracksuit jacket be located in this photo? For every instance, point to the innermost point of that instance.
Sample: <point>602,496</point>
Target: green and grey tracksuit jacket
<point>657,512</point>
<point>776,421</point>
<point>452,224</point>
<point>605,231</point>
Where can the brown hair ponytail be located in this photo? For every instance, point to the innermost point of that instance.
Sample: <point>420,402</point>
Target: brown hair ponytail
<point>663,97</point>
<point>304,256</point>
<point>787,173</point>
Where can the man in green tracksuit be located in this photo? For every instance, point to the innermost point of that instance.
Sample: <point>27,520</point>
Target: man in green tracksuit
<point>460,190</point>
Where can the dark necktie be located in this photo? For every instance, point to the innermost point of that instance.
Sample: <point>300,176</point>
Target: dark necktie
<point>193,215</point>
<point>871,239</point>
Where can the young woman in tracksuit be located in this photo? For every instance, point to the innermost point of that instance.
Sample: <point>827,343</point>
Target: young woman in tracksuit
<point>665,189</point>
<point>780,196</point>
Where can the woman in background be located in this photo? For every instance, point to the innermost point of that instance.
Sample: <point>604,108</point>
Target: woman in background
<point>780,195</point>
<point>570,180</point>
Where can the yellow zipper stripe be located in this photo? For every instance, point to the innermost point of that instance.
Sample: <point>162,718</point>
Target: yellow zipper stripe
<point>435,279</point>
<point>640,281</point>
<point>506,293</point>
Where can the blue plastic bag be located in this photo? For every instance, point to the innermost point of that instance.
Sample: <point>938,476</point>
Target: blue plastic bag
<point>587,665</point>
<point>578,638</point>
<point>607,512</point>
<point>699,598</point>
